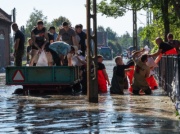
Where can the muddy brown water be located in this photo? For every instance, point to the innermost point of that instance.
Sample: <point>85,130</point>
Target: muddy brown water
<point>114,114</point>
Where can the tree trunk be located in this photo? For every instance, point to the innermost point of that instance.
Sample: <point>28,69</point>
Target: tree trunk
<point>176,4</point>
<point>164,8</point>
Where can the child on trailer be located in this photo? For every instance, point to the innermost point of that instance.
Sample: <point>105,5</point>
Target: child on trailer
<point>117,83</point>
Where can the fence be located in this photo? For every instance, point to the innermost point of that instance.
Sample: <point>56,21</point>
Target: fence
<point>168,74</point>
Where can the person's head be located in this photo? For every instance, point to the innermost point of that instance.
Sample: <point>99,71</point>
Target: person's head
<point>78,28</point>
<point>52,29</point>
<point>72,51</point>
<point>119,60</point>
<point>158,40</point>
<point>14,27</point>
<point>170,36</point>
<point>100,58</point>
<point>40,24</point>
<point>30,41</point>
<point>65,26</point>
<point>81,26</point>
<point>144,58</point>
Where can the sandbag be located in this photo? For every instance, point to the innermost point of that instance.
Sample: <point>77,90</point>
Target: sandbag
<point>42,60</point>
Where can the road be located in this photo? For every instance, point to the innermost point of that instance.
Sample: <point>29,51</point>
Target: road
<point>69,114</point>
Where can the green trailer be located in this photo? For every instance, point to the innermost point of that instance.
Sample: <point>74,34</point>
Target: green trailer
<point>42,78</point>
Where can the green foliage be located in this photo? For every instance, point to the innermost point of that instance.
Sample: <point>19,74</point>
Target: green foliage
<point>111,34</point>
<point>58,21</point>
<point>34,17</point>
<point>100,29</point>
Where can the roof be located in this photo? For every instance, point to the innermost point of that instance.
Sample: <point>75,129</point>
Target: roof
<point>4,16</point>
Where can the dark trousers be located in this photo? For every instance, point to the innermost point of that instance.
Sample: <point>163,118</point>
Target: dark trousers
<point>18,57</point>
<point>56,57</point>
<point>147,91</point>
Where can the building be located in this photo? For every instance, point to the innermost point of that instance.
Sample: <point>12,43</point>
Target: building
<point>5,30</point>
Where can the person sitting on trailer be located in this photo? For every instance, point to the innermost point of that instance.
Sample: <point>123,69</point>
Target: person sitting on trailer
<point>164,48</point>
<point>118,79</point>
<point>59,50</point>
<point>102,76</point>
<point>40,39</point>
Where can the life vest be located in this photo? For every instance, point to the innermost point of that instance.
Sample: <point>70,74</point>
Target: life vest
<point>130,75</point>
<point>152,82</point>
<point>171,52</point>
<point>102,84</point>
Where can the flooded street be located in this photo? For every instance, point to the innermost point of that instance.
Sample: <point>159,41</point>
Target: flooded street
<point>69,114</point>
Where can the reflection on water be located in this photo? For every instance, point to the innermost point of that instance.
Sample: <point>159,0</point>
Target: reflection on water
<point>73,114</point>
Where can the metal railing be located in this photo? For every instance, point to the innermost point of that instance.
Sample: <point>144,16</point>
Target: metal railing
<point>168,74</point>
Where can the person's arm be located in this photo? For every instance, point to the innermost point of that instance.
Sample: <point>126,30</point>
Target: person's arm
<point>69,58</point>
<point>106,76</point>
<point>33,37</point>
<point>75,42</point>
<point>58,37</point>
<point>136,53</point>
<point>156,54</point>
<point>16,45</point>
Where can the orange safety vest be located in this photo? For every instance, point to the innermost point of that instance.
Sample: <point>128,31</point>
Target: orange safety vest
<point>152,82</point>
<point>130,75</point>
<point>102,84</point>
<point>171,52</point>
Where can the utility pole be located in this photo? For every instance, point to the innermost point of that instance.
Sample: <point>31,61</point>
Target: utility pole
<point>92,83</point>
<point>14,14</point>
<point>135,29</point>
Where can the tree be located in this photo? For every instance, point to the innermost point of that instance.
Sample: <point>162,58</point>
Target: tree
<point>100,29</point>
<point>34,17</point>
<point>117,8</point>
<point>111,34</point>
<point>58,22</point>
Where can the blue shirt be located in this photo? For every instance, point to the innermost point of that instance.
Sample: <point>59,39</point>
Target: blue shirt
<point>55,35</point>
<point>60,47</point>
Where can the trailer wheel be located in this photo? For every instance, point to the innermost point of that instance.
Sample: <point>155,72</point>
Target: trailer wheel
<point>77,89</point>
<point>19,91</point>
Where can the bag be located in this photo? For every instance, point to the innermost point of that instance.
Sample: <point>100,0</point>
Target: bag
<point>42,61</point>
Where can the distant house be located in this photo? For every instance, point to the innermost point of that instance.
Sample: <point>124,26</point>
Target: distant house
<point>5,30</point>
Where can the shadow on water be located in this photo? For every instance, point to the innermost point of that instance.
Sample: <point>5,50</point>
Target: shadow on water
<point>69,114</point>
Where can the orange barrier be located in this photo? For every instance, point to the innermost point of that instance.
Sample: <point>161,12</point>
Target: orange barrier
<point>102,84</point>
<point>152,82</point>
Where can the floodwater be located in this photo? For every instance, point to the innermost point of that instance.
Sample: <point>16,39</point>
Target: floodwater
<point>114,114</point>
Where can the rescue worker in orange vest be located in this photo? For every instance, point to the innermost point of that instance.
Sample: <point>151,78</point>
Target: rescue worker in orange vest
<point>130,74</point>
<point>164,48</point>
<point>102,76</point>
